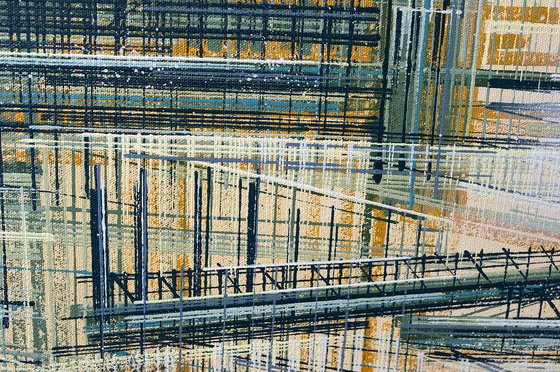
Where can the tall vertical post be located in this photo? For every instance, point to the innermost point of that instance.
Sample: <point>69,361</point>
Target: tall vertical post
<point>141,238</point>
<point>296,250</point>
<point>208,215</point>
<point>331,233</point>
<point>252,227</point>
<point>208,219</point>
<point>5,318</point>
<point>239,206</point>
<point>99,250</point>
<point>197,290</point>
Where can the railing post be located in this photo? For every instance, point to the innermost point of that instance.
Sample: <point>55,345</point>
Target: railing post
<point>125,284</point>
<point>529,252</point>
<point>189,282</point>
<point>160,285</point>
<point>312,275</point>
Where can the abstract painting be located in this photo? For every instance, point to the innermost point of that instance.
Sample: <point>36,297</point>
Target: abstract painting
<point>280,185</point>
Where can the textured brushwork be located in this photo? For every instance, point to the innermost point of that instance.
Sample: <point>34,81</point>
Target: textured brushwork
<point>280,185</point>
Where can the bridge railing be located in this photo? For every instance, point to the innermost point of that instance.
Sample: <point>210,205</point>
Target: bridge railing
<point>373,274</point>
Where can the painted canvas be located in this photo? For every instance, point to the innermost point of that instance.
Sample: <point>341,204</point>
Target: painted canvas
<point>280,185</point>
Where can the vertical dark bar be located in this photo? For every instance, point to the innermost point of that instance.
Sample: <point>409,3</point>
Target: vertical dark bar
<point>413,35</point>
<point>251,234</point>
<point>481,262</point>
<point>506,257</point>
<point>239,222</point>
<point>331,233</point>
<point>197,235</point>
<point>208,214</point>
<point>456,269</point>
<point>141,256</point>
<point>174,280</point>
<point>33,170</point>
<point>120,24</point>
<point>335,242</point>
<point>387,245</point>
<point>100,251</point>
<point>424,268</point>
<point>528,262</point>
<point>378,163</point>
<point>438,39</point>
<point>256,205</point>
<point>181,283</point>
<point>296,248</point>
<point>417,250</point>
<point>5,318</point>
<point>160,285</point>
<point>447,86</point>
<point>56,166</point>
<point>352,9</point>
<point>190,282</point>
<point>125,283</point>
<point>86,163</point>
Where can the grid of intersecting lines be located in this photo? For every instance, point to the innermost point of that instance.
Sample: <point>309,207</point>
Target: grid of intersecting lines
<point>289,185</point>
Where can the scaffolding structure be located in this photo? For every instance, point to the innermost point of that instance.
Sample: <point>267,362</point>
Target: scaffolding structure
<point>338,185</point>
